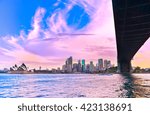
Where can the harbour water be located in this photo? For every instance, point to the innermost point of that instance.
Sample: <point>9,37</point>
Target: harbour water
<point>74,85</point>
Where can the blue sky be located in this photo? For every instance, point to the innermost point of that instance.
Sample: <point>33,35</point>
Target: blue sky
<point>17,14</point>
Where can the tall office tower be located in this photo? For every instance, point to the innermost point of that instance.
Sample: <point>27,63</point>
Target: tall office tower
<point>96,67</point>
<point>88,68</point>
<point>107,64</point>
<point>83,65</point>
<point>64,68</point>
<point>75,67</point>
<point>91,67</point>
<point>100,64</point>
<point>69,64</point>
<point>79,66</point>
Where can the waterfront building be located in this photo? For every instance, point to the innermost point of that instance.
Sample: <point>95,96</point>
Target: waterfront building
<point>40,68</point>
<point>5,69</point>
<point>69,64</point>
<point>75,67</point>
<point>83,65</point>
<point>54,70</point>
<point>100,64</point>
<point>88,68</point>
<point>107,64</point>
<point>64,68</point>
<point>96,67</point>
<point>91,67</point>
<point>58,70</point>
<point>79,66</point>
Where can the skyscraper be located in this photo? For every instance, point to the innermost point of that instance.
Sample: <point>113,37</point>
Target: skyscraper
<point>64,68</point>
<point>88,68</point>
<point>75,67</point>
<point>69,64</point>
<point>79,66</point>
<point>83,65</point>
<point>91,66</point>
<point>100,64</point>
<point>107,64</point>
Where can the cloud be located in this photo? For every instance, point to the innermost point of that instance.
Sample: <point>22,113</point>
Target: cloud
<point>37,31</point>
<point>53,43</point>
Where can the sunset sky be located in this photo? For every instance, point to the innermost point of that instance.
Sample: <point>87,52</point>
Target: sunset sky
<point>46,32</point>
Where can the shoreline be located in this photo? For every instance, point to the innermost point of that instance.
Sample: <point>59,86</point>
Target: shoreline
<point>65,73</point>
<point>59,73</point>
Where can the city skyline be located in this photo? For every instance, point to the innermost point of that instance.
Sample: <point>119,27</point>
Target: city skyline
<point>105,64</point>
<point>45,33</point>
<point>82,66</point>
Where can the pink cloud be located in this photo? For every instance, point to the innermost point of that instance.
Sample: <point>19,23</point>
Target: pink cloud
<point>59,41</point>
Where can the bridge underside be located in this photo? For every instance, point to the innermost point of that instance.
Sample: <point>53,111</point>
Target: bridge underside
<point>132,25</point>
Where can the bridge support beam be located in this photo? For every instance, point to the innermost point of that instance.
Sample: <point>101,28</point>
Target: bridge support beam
<point>124,67</point>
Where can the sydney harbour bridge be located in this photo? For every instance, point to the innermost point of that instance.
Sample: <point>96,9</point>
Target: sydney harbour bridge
<point>132,26</point>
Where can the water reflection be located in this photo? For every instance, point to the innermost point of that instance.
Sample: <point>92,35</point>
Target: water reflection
<point>74,85</point>
<point>136,85</point>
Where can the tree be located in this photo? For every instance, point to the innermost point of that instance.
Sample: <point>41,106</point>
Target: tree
<point>137,70</point>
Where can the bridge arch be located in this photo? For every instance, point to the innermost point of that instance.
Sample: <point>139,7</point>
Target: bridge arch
<point>142,57</point>
<point>132,26</point>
